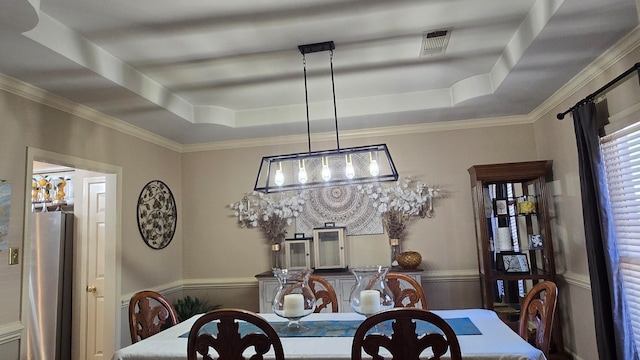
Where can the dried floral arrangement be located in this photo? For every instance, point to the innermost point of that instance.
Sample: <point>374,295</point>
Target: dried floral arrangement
<point>400,203</point>
<point>272,213</point>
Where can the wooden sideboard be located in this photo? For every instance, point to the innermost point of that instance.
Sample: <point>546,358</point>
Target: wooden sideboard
<point>341,281</point>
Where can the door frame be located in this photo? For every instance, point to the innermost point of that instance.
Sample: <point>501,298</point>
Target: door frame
<point>113,269</point>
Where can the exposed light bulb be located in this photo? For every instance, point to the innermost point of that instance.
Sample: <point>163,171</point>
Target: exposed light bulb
<point>349,172</point>
<point>279,178</point>
<point>302,173</point>
<point>374,169</point>
<point>326,172</point>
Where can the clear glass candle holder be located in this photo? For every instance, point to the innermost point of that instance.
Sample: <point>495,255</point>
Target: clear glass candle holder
<point>294,298</point>
<point>371,293</point>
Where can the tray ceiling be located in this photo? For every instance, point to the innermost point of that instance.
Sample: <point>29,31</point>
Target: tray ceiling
<point>205,71</point>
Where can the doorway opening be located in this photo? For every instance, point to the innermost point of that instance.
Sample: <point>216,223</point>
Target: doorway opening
<point>96,318</point>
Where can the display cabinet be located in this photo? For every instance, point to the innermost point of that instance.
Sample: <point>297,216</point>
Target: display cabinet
<point>513,234</point>
<point>329,248</point>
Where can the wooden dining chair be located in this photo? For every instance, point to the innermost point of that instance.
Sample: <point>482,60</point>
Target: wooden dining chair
<point>228,341</point>
<point>324,293</point>
<point>405,343</point>
<point>538,312</point>
<point>407,291</point>
<point>149,313</point>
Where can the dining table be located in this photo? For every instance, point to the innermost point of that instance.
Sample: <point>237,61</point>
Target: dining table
<point>481,334</point>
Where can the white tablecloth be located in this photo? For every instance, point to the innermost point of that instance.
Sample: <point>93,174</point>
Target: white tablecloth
<point>497,341</point>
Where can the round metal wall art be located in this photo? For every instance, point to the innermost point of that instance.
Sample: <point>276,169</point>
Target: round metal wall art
<point>157,214</point>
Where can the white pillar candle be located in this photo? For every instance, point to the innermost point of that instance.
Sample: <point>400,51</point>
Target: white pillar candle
<point>369,301</point>
<point>293,305</point>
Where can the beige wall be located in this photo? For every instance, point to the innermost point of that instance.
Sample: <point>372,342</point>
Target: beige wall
<point>217,247</point>
<point>24,124</point>
<point>556,141</point>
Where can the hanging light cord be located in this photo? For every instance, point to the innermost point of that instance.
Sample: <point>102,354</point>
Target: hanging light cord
<point>335,110</point>
<point>306,98</point>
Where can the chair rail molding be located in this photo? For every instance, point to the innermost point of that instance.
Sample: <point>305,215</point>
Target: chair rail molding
<point>197,284</point>
<point>219,283</point>
<point>434,276</point>
<point>163,289</point>
<point>10,332</point>
<point>576,279</point>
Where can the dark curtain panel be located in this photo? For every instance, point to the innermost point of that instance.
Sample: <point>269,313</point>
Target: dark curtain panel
<point>614,335</point>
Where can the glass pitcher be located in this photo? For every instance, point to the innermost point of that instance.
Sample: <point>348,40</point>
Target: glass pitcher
<point>371,293</point>
<point>294,298</point>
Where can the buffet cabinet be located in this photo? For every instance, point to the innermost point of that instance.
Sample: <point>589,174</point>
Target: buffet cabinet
<point>342,282</point>
<point>513,233</point>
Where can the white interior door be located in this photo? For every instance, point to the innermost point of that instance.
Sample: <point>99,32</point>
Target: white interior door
<point>95,267</point>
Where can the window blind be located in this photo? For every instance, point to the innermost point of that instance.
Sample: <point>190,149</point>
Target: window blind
<point>621,153</point>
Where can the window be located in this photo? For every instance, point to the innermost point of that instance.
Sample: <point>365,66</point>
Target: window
<point>621,153</point>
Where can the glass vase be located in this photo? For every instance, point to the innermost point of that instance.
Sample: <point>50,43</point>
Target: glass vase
<point>371,293</point>
<point>294,298</point>
<point>395,251</point>
<point>276,256</point>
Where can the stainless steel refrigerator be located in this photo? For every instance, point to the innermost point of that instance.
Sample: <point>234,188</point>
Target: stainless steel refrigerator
<point>50,282</point>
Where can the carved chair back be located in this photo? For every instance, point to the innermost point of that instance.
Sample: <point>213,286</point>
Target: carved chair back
<point>324,293</point>
<point>407,291</point>
<point>405,343</point>
<point>538,311</point>
<point>228,342</point>
<point>149,313</point>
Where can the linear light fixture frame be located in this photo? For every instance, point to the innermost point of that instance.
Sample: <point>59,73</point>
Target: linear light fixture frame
<point>265,180</point>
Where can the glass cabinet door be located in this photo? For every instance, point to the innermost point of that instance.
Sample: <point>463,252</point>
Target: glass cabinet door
<point>298,254</point>
<point>329,248</point>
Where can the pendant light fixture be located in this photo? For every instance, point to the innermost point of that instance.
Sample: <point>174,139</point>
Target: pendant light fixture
<point>316,169</point>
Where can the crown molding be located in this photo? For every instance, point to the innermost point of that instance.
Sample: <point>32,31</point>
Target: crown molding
<point>622,48</point>
<point>365,133</point>
<point>33,93</point>
<point>614,54</point>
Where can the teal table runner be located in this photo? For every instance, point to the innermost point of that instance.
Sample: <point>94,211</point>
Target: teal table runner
<point>336,328</point>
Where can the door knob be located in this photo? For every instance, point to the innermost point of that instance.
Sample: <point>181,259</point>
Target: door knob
<point>91,288</point>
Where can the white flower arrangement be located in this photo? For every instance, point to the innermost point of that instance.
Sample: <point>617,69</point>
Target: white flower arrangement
<point>398,204</point>
<point>270,212</point>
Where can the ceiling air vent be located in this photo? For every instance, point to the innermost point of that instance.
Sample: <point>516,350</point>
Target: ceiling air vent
<point>435,42</point>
